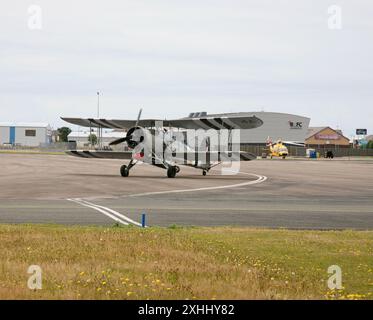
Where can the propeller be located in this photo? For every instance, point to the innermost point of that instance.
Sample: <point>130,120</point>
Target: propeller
<point>138,117</point>
<point>128,137</point>
<point>118,141</point>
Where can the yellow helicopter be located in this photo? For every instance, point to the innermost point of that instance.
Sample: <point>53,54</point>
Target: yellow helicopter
<point>279,148</point>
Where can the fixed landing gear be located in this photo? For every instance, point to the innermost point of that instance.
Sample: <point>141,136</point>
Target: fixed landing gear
<point>124,171</point>
<point>204,172</point>
<point>172,170</point>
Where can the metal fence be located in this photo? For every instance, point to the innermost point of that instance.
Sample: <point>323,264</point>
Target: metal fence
<point>51,147</point>
<point>294,151</point>
<point>55,147</point>
<point>349,152</point>
<point>258,149</point>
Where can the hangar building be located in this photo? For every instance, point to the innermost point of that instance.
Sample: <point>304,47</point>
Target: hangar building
<point>288,127</point>
<point>81,137</point>
<point>25,134</point>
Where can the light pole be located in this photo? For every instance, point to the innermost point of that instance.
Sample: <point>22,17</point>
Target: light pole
<point>98,117</point>
<point>98,105</point>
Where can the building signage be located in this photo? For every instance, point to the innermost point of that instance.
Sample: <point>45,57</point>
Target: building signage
<point>361,132</point>
<point>321,136</point>
<point>296,125</point>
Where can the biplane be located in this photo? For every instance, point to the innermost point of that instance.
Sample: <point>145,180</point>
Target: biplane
<point>198,141</point>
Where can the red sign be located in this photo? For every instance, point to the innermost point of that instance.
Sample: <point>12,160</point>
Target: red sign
<point>321,136</point>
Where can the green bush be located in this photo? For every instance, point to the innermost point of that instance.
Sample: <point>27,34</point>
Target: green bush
<point>92,139</point>
<point>63,133</point>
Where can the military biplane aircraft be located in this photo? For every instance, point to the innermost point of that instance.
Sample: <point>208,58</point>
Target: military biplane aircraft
<point>167,143</point>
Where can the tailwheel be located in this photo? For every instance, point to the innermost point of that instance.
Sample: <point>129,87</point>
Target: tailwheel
<point>204,172</point>
<point>171,171</point>
<point>124,171</point>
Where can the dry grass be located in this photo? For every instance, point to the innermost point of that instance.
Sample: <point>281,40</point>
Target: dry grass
<point>183,263</point>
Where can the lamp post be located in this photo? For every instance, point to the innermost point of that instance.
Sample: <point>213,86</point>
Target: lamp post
<point>98,117</point>
<point>98,105</point>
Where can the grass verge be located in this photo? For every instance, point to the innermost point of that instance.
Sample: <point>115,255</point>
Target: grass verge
<point>183,263</point>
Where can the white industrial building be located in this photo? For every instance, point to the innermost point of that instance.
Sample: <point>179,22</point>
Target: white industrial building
<point>81,137</point>
<point>288,127</point>
<point>25,134</point>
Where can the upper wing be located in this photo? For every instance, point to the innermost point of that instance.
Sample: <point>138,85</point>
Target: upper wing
<point>109,124</point>
<point>216,123</point>
<point>186,123</point>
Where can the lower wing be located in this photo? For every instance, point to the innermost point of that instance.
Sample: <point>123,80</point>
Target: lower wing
<point>214,156</point>
<point>126,155</point>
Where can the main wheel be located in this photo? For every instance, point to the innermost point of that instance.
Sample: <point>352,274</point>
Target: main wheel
<point>124,171</point>
<point>171,172</point>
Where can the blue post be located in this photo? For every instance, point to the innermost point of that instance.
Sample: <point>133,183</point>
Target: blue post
<point>143,220</point>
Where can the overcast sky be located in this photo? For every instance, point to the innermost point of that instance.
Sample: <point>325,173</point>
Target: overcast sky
<point>174,57</point>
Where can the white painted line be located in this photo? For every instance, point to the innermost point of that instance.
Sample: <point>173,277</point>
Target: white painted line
<point>259,180</point>
<point>125,220</point>
<point>78,201</point>
<point>121,216</point>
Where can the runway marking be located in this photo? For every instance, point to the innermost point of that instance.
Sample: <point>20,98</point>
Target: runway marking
<point>116,216</point>
<point>259,180</point>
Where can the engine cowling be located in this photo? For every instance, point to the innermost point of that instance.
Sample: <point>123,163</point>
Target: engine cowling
<point>146,144</point>
<point>135,136</point>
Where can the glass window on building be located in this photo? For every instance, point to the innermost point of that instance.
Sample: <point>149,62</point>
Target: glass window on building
<point>30,133</point>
